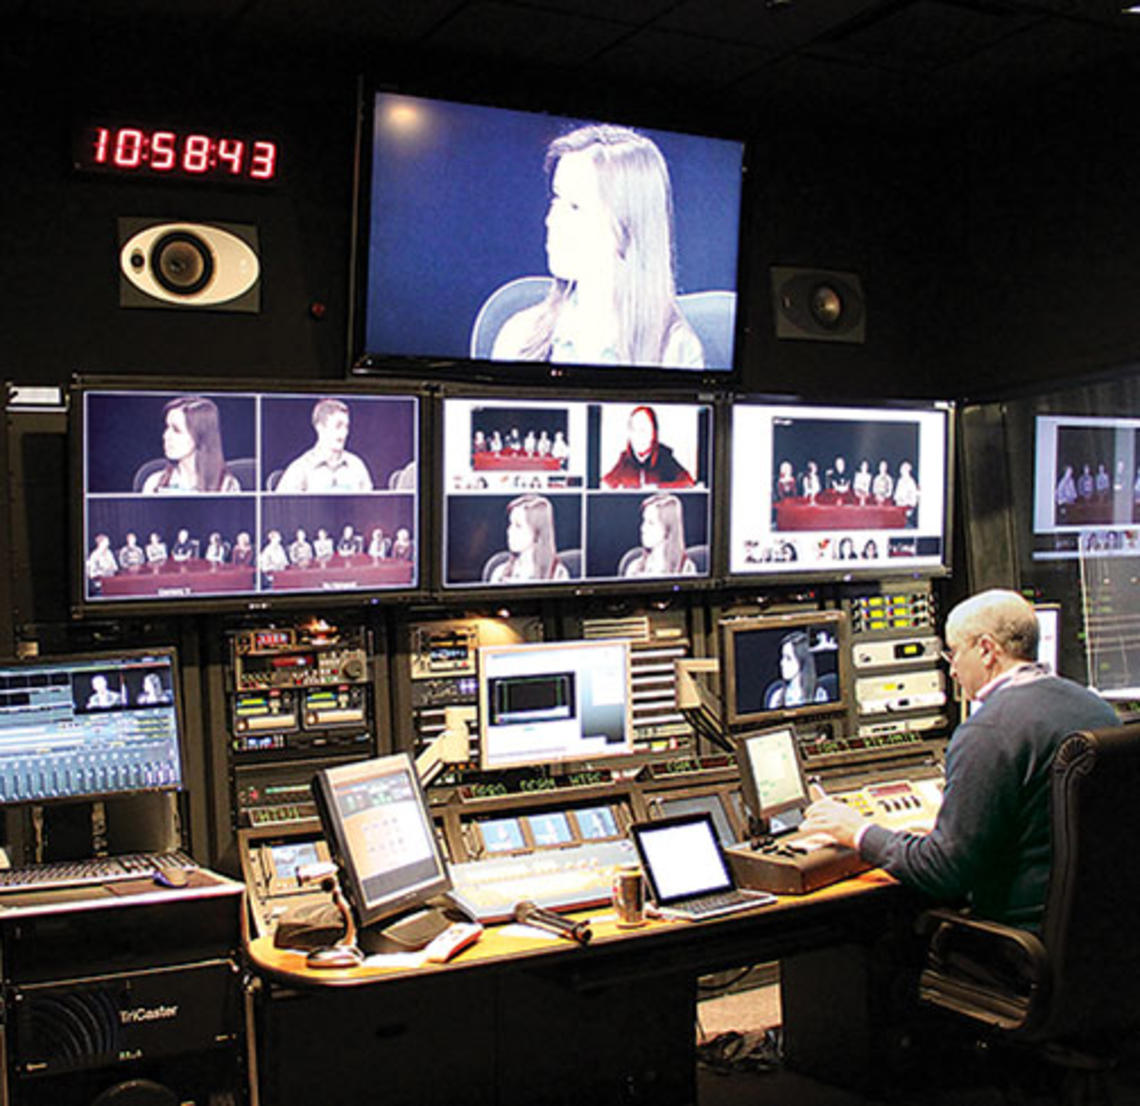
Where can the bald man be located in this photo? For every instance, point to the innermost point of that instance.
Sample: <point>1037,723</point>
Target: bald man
<point>991,841</point>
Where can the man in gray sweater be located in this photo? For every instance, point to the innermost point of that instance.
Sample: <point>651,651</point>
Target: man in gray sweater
<point>990,843</point>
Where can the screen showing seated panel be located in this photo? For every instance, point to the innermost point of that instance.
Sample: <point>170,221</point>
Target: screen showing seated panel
<point>223,496</point>
<point>1086,486</point>
<point>379,828</point>
<point>771,775</point>
<point>553,702</point>
<point>89,727</point>
<point>785,666</point>
<point>839,490</point>
<point>548,492</point>
<point>488,234</point>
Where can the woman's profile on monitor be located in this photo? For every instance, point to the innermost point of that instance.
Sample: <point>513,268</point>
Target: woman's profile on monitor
<point>798,682</point>
<point>610,250</point>
<point>531,546</point>
<point>192,448</point>
<point>662,540</point>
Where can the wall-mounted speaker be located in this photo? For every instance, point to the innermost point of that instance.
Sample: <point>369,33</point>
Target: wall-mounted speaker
<point>818,304</point>
<point>172,264</point>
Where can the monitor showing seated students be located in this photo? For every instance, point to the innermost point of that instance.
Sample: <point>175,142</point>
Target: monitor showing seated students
<point>554,702</point>
<point>789,666</point>
<point>543,492</point>
<point>530,240</point>
<point>380,833</point>
<point>223,496</point>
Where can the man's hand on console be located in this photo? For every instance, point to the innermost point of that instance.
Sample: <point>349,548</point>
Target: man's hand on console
<point>828,816</point>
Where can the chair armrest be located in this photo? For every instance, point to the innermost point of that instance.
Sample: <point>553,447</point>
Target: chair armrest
<point>983,970</point>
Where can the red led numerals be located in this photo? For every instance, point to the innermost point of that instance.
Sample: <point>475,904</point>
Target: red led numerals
<point>164,151</point>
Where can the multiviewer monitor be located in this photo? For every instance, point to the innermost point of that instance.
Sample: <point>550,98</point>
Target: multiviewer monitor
<point>841,491</point>
<point>232,496</point>
<point>553,702</point>
<point>89,727</point>
<point>790,666</point>
<point>379,831</point>
<point>1086,486</point>
<point>546,492</point>
<point>771,776</point>
<point>520,238</point>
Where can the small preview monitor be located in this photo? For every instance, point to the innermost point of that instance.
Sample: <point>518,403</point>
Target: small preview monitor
<point>379,829</point>
<point>771,775</point>
<point>554,702</point>
<point>779,667</point>
<point>840,491</point>
<point>89,727</point>
<point>480,224</point>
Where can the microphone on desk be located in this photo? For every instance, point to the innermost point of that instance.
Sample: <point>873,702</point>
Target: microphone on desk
<point>531,914</point>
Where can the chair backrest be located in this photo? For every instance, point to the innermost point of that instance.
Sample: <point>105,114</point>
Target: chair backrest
<point>145,470</point>
<point>500,305</point>
<point>245,472</point>
<point>711,314</point>
<point>1094,888</point>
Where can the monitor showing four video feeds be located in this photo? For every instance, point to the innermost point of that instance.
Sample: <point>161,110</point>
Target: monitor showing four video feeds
<point>839,491</point>
<point>225,495</point>
<point>554,703</point>
<point>88,727</point>
<point>517,237</point>
<point>542,492</point>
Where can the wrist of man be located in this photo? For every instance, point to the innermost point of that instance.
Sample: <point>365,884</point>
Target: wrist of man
<point>860,833</point>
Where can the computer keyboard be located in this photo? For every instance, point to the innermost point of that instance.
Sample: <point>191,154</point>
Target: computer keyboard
<point>95,870</point>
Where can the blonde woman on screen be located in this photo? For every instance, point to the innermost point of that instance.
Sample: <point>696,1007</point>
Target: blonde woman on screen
<point>662,540</point>
<point>609,247</point>
<point>530,542</point>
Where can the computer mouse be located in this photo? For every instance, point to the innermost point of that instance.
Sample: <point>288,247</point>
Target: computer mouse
<point>171,877</point>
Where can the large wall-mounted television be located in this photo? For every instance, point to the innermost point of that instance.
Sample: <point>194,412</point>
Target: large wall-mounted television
<point>519,240</point>
<point>542,492</point>
<point>785,666</point>
<point>1086,486</point>
<point>243,496</point>
<point>840,491</point>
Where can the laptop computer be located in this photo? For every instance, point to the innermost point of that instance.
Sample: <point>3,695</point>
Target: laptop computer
<point>686,871</point>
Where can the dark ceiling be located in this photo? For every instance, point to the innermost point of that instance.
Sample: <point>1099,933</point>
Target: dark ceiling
<point>900,60</point>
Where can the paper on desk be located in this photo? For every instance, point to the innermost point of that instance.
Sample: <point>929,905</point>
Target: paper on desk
<point>396,959</point>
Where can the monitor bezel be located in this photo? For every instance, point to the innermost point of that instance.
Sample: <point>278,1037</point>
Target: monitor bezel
<point>483,591</point>
<point>842,571</point>
<point>378,363</point>
<point>748,786</point>
<point>169,652</point>
<point>324,784</point>
<point>83,607</point>
<point>842,705</point>
<point>582,645</point>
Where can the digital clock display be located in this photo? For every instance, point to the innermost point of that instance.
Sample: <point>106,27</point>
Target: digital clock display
<point>183,154</point>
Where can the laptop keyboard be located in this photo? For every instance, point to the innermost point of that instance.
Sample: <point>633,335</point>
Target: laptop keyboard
<point>722,902</point>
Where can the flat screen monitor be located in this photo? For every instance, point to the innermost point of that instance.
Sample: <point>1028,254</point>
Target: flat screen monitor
<point>89,727</point>
<point>841,491</point>
<point>380,834</point>
<point>547,492</point>
<point>791,666</point>
<point>488,234</point>
<point>771,776</point>
<point>1086,486</point>
<point>239,496</point>
<point>554,702</point>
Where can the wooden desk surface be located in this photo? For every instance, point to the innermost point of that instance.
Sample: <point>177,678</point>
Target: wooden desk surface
<point>792,922</point>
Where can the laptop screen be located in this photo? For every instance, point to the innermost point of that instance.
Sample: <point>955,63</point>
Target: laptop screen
<point>682,858</point>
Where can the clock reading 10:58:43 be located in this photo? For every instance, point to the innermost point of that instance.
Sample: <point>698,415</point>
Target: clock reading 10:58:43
<point>162,151</point>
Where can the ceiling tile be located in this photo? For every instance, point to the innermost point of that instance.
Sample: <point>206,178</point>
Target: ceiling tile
<point>680,59</point>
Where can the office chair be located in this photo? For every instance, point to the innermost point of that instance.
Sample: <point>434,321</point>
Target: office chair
<point>711,314</point>
<point>243,468</point>
<point>1071,994</point>
<point>571,558</point>
<point>698,554</point>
